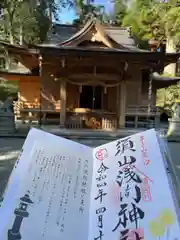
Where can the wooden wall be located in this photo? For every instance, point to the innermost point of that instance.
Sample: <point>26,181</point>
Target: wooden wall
<point>50,91</point>
<point>73,96</point>
<point>110,99</point>
<point>29,90</point>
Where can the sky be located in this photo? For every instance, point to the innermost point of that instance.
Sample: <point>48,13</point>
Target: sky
<point>68,15</point>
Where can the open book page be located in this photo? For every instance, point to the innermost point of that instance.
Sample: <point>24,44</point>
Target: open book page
<point>49,191</point>
<point>131,196</point>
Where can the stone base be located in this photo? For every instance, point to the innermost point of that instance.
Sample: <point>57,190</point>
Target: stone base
<point>174,127</point>
<point>62,126</point>
<point>7,123</point>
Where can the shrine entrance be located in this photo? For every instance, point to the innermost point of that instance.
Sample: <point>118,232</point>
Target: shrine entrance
<point>91,97</point>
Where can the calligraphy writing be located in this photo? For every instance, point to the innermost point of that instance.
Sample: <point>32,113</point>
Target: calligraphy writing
<point>131,234</point>
<point>99,236</point>
<point>101,178</point>
<point>128,180</point>
<point>100,195</point>
<point>102,168</point>
<point>127,161</point>
<point>144,151</point>
<point>123,145</point>
<point>132,215</point>
<point>83,186</point>
<point>128,174</point>
<point>146,191</point>
<point>100,211</point>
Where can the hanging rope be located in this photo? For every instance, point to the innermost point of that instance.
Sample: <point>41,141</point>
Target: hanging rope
<point>40,97</point>
<point>149,94</point>
<point>94,82</point>
<point>149,97</point>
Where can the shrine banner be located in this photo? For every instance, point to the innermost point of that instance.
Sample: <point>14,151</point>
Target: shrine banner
<point>131,196</point>
<point>60,189</point>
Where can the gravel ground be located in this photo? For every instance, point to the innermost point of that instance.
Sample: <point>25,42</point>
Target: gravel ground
<point>10,147</point>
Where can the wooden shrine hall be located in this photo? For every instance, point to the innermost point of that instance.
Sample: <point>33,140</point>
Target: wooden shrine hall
<point>92,77</point>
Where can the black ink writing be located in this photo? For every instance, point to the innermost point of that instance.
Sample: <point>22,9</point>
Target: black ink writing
<point>123,145</point>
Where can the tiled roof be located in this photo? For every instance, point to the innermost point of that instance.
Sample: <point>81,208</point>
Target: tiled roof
<point>62,32</point>
<point>120,35</point>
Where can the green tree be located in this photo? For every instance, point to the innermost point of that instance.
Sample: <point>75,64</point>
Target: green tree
<point>8,89</point>
<point>170,15</point>
<point>8,12</point>
<point>28,20</point>
<point>152,19</point>
<point>142,19</point>
<point>120,11</point>
<point>166,97</point>
<point>84,9</point>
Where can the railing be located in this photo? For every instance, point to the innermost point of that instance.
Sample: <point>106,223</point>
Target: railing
<point>31,110</point>
<point>142,110</point>
<point>139,116</point>
<point>136,116</point>
<point>22,107</point>
<point>74,122</point>
<point>92,120</point>
<point>25,105</point>
<point>109,123</point>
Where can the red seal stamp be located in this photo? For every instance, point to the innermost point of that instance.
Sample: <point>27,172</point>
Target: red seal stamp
<point>101,154</point>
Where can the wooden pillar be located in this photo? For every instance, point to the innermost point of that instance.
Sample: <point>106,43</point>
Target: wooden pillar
<point>122,104</point>
<point>150,102</point>
<point>40,89</point>
<point>150,93</point>
<point>63,96</point>
<point>139,100</point>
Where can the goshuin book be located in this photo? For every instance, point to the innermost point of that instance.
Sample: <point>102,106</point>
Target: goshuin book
<point>63,190</point>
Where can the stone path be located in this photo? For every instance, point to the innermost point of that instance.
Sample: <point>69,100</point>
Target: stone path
<point>10,147</point>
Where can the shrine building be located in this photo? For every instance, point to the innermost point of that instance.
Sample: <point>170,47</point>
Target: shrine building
<point>93,76</point>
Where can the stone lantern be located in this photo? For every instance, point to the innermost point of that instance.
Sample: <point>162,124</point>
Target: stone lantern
<point>174,122</point>
<point>20,213</point>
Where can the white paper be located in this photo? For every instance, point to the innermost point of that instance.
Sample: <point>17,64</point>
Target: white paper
<point>131,197</point>
<point>55,174</point>
<point>60,189</point>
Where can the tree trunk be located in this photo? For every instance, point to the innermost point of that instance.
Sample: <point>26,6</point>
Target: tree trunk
<point>170,48</point>
<point>50,13</point>
<point>10,24</point>
<point>21,35</point>
<point>11,38</point>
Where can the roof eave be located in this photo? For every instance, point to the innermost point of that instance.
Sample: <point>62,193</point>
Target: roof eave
<point>14,73</point>
<point>31,50</point>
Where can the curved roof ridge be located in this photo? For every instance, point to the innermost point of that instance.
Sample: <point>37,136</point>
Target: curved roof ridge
<point>87,27</point>
<point>102,29</point>
<point>80,33</point>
